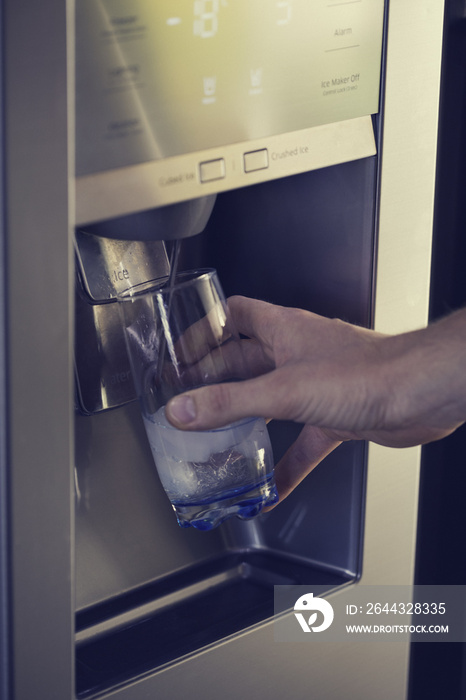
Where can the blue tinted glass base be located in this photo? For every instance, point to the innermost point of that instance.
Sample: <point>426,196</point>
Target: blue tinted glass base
<point>246,504</point>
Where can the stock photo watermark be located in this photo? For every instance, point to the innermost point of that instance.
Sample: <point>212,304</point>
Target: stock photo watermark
<point>370,613</point>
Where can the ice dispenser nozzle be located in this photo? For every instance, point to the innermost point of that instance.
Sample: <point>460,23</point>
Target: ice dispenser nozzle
<point>111,256</point>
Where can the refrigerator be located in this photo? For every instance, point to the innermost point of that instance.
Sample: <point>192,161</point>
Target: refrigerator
<point>314,187</point>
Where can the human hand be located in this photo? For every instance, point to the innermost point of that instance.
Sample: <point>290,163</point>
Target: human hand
<point>342,381</point>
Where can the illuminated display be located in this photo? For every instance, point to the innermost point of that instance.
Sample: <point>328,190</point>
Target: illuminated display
<point>157,79</point>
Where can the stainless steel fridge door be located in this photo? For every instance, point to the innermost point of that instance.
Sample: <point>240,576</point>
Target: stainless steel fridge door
<point>37,486</point>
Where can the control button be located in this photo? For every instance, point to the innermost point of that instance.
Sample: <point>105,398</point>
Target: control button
<point>212,170</point>
<point>256,160</point>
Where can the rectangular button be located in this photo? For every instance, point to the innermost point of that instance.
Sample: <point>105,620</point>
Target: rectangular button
<point>256,160</point>
<point>212,170</point>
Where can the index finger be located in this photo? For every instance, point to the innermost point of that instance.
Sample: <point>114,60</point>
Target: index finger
<point>254,318</point>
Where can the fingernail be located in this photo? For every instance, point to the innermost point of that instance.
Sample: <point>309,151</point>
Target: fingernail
<point>182,409</point>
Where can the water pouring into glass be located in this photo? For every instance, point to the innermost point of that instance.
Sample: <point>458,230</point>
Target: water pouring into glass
<point>180,336</point>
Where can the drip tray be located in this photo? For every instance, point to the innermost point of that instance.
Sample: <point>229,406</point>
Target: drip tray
<point>159,623</point>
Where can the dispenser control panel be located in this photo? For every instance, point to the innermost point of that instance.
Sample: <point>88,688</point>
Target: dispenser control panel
<point>181,83</point>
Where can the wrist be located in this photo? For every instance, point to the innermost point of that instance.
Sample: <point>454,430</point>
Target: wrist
<point>425,377</point>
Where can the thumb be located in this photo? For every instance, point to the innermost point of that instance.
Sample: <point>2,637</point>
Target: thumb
<point>220,404</point>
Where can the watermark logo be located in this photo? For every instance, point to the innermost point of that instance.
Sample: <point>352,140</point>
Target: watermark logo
<point>358,612</point>
<point>307,603</point>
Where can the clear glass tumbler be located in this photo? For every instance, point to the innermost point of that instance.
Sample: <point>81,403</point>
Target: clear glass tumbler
<point>180,336</point>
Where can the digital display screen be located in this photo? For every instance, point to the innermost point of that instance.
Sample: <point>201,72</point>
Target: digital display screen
<point>161,78</point>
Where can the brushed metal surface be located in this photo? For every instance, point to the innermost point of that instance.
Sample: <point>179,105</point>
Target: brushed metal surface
<point>123,191</point>
<point>105,268</point>
<point>37,299</point>
<point>253,72</point>
<point>108,267</point>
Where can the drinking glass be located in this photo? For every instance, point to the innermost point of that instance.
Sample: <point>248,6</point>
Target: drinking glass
<point>180,336</point>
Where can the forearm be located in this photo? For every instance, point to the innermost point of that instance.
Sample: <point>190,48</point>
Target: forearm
<point>426,376</point>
